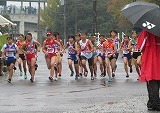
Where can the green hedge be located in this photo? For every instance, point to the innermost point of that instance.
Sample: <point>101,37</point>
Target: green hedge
<point>3,40</point>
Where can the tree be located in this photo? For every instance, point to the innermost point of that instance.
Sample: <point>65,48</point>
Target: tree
<point>6,16</point>
<point>79,15</point>
<point>5,29</point>
<point>48,15</point>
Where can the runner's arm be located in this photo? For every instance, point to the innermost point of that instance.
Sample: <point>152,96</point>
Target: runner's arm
<point>38,44</point>
<point>103,49</point>
<point>78,48</point>
<point>91,45</point>
<point>61,42</point>
<point>114,49</point>
<point>3,51</point>
<point>121,46</point>
<point>43,47</point>
<point>119,41</point>
<point>129,46</point>
<point>59,45</point>
<point>17,53</point>
<point>64,49</point>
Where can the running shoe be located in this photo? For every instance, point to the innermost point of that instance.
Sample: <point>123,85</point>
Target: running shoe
<point>14,68</point>
<point>127,76</point>
<point>31,79</point>
<point>116,66</point>
<point>131,70</point>
<point>51,79</point>
<point>36,66</point>
<point>21,73</point>
<point>55,79</point>
<point>138,78</point>
<point>113,74</point>
<point>85,73</point>
<point>76,77</point>
<point>25,76</point>
<point>102,74</point>
<point>109,79</point>
<point>92,77</point>
<point>72,73</point>
<point>95,74</point>
<point>9,80</point>
<point>59,75</point>
<point>80,74</point>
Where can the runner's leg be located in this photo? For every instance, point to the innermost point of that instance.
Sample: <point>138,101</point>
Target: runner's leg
<point>33,61</point>
<point>125,60</point>
<point>19,65</point>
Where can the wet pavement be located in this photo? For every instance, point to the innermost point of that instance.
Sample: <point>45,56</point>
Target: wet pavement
<point>67,95</point>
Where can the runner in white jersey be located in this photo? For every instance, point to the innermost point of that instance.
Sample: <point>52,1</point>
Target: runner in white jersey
<point>86,49</point>
<point>9,53</point>
<point>116,41</point>
<point>93,40</point>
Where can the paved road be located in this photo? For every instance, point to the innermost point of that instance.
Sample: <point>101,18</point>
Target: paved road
<point>68,95</point>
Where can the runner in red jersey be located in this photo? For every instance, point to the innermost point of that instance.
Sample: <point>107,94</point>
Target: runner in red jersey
<point>28,48</point>
<point>127,58</point>
<point>50,54</point>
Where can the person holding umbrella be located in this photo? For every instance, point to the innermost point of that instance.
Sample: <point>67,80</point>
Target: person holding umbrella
<point>150,73</point>
<point>145,16</point>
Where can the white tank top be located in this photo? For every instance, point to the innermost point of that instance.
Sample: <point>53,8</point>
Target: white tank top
<point>84,48</point>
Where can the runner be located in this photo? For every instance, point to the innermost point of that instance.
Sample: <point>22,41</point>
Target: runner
<point>78,38</point>
<point>28,48</point>
<point>72,56</point>
<point>116,40</point>
<point>50,55</point>
<point>59,53</point>
<point>86,48</point>
<point>9,53</point>
<point>21,59</point>
<point>101,57</point>
<point>136,53</point>
<point>127,58</point>
<point>93,40</point>
<point>110,55</point>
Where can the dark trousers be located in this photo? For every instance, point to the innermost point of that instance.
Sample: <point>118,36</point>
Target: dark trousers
<point>153,94</point>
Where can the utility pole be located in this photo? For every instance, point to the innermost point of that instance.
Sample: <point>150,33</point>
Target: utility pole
<point>94,16</point>
<point>76,18</point>
<point>64,13</point>
<point>38,25</point>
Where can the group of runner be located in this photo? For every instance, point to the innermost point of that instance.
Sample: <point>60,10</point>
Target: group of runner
<point>80,50</point>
